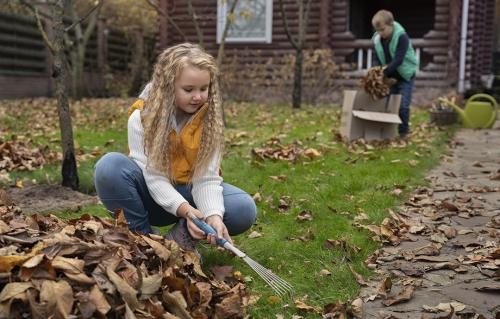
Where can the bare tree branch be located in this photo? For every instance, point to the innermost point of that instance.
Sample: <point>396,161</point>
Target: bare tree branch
<point>156,7</point>
<point>220,53</point>
<point>92,22</point>
<point>99,5</point>
<point>34,9</point>
<point>195,22</point>
<point>287,30</point>
<point>169,18</point>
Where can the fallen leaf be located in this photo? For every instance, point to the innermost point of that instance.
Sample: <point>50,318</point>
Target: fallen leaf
<point>254,234</point>
<point>403,296</point>
<point>305,215</point>
<point>12,289</point>
<point>324,272</point>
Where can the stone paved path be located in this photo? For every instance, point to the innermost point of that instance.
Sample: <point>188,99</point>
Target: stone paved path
<point>451,252</point>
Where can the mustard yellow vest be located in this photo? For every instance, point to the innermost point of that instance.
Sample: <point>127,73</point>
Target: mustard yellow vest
<point>185,144</point>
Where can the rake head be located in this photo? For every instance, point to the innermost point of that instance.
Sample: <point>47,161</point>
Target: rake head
<point>280,286</point>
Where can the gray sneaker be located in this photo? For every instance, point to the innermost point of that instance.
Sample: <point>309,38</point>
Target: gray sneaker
<point>180,234</point>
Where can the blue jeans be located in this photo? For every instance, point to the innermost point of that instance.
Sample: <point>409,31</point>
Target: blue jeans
<point>120,185</point>
<point>404,88</point>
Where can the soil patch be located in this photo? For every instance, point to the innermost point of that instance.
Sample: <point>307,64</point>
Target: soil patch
<point>47,198</point>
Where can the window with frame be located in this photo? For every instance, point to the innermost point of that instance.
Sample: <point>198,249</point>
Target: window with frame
<point>252,21</point>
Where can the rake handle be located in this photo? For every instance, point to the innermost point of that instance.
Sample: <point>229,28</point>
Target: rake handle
<point>207,229</point>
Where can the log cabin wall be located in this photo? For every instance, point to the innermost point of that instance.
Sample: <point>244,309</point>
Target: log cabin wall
<point>433,25</point>
<point>480,35</point>
<point>206,12</point>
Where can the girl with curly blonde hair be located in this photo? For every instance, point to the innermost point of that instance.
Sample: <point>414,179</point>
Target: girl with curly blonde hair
<point>175,137</point>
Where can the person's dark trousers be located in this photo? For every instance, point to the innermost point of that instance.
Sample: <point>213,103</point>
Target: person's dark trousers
<point>404,88</point>
<point>120,185</point>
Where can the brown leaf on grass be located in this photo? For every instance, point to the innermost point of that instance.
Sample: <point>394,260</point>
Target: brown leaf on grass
<point>403,296</point>
<point>359,279</point>
<point>308,235</point>
<point>257,197</point>
<point>305,215</point>
<point>334,310</point>
<point>302,306</point>
<point>312,153</point>
<point>324,272</point>
<point>284,203</point>
<point>254,234</point>
<point>279,178</point>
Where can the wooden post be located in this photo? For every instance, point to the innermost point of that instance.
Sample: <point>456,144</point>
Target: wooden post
<point>455,12</point>
<point>163,25</point>
<point>324,23</point>
<point>102,53</point>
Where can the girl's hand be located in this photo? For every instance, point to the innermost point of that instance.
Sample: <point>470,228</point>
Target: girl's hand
<point>194,231</point>
<point>216,222</point>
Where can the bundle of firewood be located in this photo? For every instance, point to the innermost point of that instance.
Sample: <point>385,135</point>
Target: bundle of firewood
<point>374,83</point>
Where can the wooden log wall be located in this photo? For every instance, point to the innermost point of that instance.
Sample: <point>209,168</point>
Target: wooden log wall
<point>480,41</point>
<point>25,63</point>
<point>206,11</point>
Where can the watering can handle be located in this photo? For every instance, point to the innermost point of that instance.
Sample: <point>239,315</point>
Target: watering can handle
<point>484,96</point>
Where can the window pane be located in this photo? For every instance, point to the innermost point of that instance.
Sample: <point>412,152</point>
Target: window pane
<point>250,19</point>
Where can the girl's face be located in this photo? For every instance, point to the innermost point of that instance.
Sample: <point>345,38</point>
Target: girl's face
<point>191,89</point>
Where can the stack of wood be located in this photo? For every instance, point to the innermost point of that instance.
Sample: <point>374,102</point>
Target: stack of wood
<point>374,83</point>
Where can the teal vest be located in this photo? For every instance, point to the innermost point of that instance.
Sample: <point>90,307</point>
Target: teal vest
<point>410,64</point>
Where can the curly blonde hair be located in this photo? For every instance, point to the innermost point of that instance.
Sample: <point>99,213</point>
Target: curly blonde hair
<point>159,110</point>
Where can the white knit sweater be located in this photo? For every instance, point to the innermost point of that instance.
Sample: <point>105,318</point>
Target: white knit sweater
<point>207,189</point>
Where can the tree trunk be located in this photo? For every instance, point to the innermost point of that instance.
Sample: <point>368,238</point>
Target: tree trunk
<point>69,169</point>
<point>297,80</point>
<point>137,63</point>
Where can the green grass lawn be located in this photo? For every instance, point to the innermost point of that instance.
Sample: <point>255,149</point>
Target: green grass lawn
<point>334,188</point>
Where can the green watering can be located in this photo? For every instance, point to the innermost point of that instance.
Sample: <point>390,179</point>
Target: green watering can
<point>480,111</point>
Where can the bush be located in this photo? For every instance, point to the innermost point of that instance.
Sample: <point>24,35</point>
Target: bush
<point>249,76</point>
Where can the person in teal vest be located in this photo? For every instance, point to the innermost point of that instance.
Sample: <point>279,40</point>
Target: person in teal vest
<point>395,53</point>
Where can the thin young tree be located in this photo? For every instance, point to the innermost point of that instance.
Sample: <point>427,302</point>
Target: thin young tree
<point>54,39</point>
<point>77,44</point>
<point>298,44</point>
<point>230,17</point>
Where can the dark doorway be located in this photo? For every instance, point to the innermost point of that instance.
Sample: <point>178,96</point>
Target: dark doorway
<point>417,17</point>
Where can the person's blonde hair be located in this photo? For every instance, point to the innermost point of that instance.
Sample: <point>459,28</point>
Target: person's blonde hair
<point>381,18</point>
<point>160,109</point>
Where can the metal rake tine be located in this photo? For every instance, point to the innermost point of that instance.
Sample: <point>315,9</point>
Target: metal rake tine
<point>279,285</point>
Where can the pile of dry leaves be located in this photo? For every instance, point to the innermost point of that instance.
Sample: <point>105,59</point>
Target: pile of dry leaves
<point>277,151</point>
<point>17,155</point>
<point>97,268</point>
<point>375,84</point>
